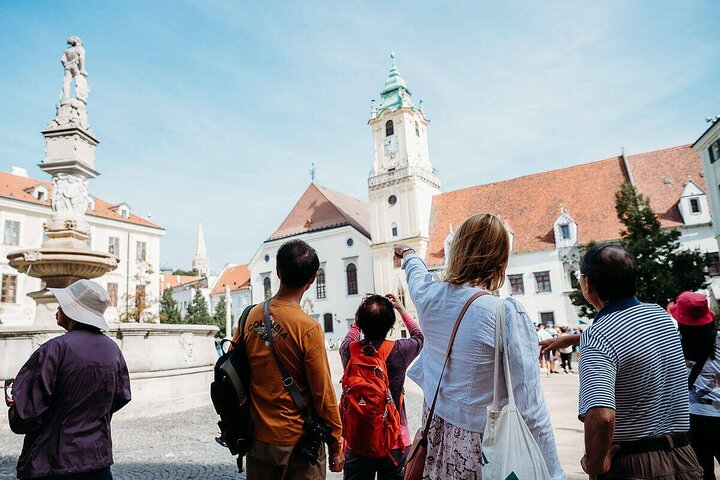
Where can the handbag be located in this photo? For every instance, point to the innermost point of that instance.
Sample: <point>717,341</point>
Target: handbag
<point>415,463</point>
<point>509,451</point>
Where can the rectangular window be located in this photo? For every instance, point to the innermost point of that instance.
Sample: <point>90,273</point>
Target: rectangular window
<point>320,284</point>
<point>565,230</point>
<point>12,233</point>
<point>542,281</point>
<point>714,151</point>
<point>113,294</point>
<point>695,205</point>
<point>140,251</point>
<point>9,289</point>
<point>114,245</point>
<point>517,285</point>
<point>547,317</point>
<point>403,333</point>
<point>714,266</point>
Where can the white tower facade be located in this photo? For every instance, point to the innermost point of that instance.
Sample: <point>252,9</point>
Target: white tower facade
<point>402,182</point>
<point>200,261</point>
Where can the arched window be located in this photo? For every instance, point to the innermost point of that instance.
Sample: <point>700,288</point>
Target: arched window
<point>394,230</point>
<point>320,284</point>
<point>351,273</point>
<point>328,320</point>
<point>417,129</point>
<point>389,128</point>
<point>267,288</point>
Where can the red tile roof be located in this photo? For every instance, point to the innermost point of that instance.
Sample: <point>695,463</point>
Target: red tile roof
<point>531,204</point>
<point>20,188</point>
<point>172,281</point>
<point>236,276</point>
<point>320,208</point>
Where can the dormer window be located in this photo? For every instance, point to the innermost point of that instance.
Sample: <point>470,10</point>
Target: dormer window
<point>123,210</point>
<point>389,128</point>
<point>91,204</point>
<point>565,230</point>
<point>695,205</point>
<point>40,192</point>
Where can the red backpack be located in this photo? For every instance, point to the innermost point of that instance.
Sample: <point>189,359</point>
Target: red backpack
<point>371,422</point>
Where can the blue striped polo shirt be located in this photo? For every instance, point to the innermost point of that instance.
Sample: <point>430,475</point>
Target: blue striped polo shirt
<point>632,362</point>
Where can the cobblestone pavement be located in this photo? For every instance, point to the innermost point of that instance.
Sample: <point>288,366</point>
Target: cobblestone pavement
<point>181,446</point>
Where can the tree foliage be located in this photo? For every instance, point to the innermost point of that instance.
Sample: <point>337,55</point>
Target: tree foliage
<point>186,273</point>
<point>664,268</point>
<point>169,309</point>
<point>219,316</point>
<point>197,311</point>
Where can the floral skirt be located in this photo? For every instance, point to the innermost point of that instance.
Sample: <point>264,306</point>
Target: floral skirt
<point>452,452</point>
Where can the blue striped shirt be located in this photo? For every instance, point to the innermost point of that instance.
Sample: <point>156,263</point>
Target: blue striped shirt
<point>632,362</point>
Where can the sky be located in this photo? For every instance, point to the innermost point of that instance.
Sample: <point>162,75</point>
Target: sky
<point>212,112</point>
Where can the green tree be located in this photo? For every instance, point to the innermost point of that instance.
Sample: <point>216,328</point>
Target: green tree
<point>186,273</point>
<point>664,269</point>
<point>197,311</point>
<point>169,309</point>
<point>219,316</point>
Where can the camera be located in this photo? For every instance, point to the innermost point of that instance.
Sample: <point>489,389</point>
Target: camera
<point>316,432</point>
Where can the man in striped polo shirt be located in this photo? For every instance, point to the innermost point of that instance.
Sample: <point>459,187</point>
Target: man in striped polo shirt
<point>633,379</point>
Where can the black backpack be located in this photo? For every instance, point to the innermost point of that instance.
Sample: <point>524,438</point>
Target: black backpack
<point>230,394</point>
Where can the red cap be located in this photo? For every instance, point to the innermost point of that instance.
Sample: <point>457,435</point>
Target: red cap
<point>692,309</point>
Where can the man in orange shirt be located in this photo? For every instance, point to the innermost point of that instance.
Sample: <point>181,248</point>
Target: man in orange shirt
<point>300,345</point>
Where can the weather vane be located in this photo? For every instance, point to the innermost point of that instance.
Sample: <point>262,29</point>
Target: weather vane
<point>313,172</point>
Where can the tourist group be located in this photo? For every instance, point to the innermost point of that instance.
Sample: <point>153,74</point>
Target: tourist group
<point>649,377</point>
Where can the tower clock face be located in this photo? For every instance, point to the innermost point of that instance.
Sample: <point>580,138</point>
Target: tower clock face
<point>391,145</point>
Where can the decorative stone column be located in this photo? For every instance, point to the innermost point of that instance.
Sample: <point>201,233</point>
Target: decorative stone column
<point>70,160</point>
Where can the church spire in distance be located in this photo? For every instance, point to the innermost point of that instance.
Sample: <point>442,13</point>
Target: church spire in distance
<point>200,260</point>
<point>395,94</point>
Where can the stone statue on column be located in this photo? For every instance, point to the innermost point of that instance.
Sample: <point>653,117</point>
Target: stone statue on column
<point>73,60</point>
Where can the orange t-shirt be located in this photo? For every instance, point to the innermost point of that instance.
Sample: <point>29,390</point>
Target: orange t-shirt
<point>300,343</point>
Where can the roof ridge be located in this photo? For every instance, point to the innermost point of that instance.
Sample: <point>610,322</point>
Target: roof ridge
<point>677,147</point>
<point>571,167</point>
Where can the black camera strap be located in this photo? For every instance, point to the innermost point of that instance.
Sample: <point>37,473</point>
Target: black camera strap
<point>287,379</point>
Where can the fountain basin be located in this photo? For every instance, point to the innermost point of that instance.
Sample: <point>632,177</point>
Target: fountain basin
<point>60,267</point>
<point>171,366</point>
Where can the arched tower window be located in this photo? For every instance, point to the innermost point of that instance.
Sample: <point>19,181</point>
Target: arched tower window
<point>320,284</point>
<point>417,129</point>
<point>267,288</point>
<point>394,229</point>
<point>389,128</point>
<point>351,274</point>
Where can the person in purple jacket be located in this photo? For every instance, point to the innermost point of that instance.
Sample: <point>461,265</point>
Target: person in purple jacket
<point>375,318</point>
<point>66,393</point>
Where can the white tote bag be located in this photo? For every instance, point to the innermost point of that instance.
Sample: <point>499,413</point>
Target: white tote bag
<point>509,450</point>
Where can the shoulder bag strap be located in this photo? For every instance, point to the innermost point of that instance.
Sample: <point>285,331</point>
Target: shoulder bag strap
<point>501,341</point>
<point>695,372</point>
<point>287,379</point>
<point>447,357</point>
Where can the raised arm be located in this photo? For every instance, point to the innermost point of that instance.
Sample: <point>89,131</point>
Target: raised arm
<point>419,279</point>
<point>353,335</point>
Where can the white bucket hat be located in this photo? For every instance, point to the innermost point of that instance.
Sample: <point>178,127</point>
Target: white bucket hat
<point>85,302</point>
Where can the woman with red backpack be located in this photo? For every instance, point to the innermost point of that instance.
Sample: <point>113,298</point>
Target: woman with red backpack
<point>372,409</point>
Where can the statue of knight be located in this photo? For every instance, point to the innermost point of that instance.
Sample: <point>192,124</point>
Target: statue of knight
<point>73,60</point>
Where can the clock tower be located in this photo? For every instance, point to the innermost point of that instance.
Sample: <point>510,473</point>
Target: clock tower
<point>402,181</point>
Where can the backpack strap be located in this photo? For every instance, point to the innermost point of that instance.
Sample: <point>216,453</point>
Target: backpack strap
<point>384,351</point>
<point>287,379</point>
<point>355,348</point>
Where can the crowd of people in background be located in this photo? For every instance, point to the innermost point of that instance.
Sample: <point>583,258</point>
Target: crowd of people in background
<point>649,395</point>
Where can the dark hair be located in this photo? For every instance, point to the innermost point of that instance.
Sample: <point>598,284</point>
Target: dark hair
<point>611,271</point>
<point>375,316</point>
<point>698,342</point>
<point>297,263</point>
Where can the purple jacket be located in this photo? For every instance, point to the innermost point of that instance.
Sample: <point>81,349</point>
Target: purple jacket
<point>401,356</point>
<point>65,396</point>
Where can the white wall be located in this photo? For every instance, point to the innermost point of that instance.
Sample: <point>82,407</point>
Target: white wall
<point>128,273</point>
<point>334,254</point>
